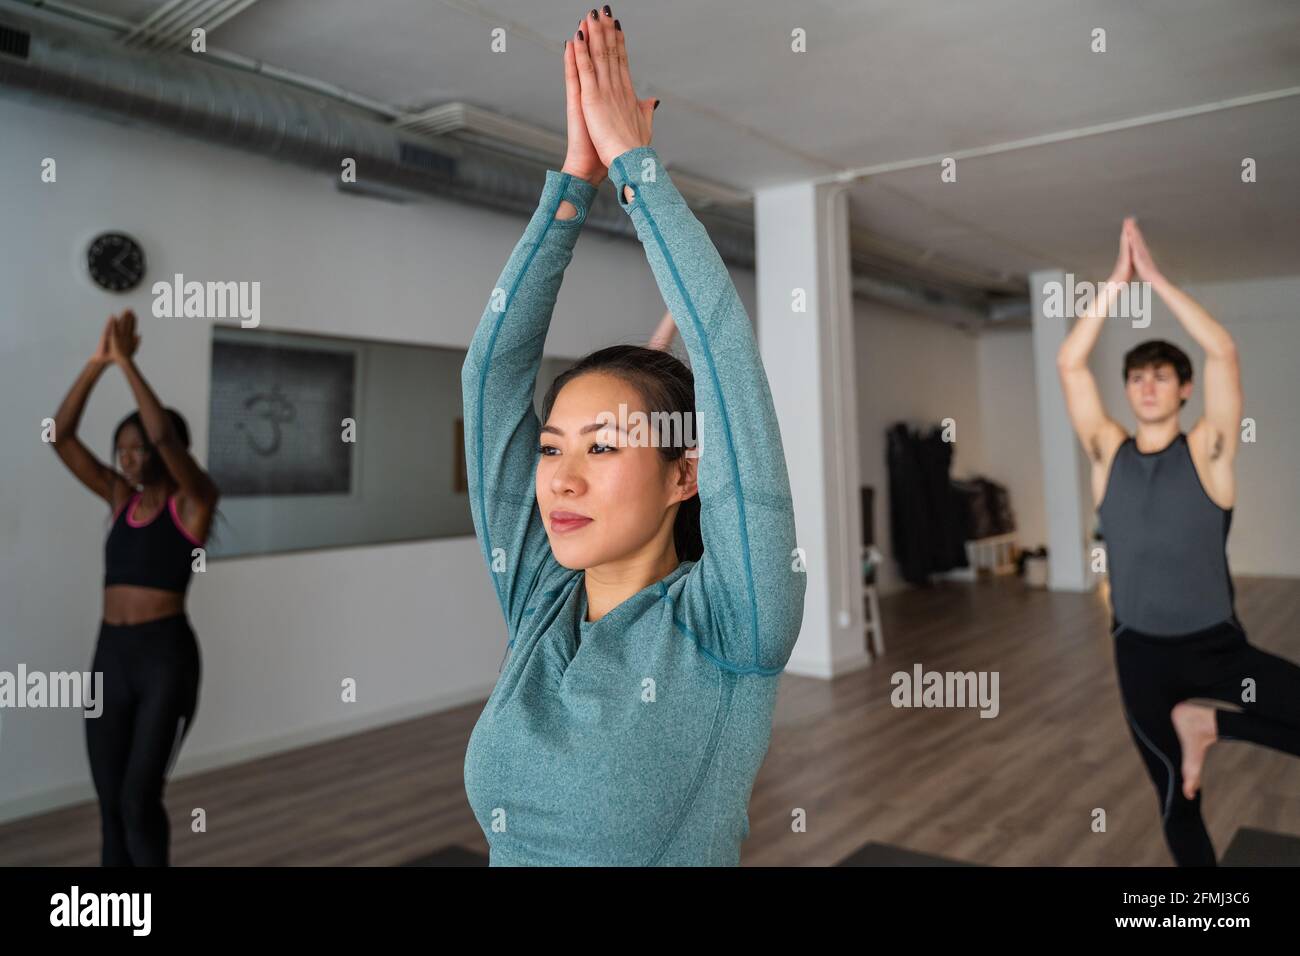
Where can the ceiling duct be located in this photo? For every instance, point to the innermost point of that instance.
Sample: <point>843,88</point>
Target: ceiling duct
<point>454,150</point>
<point>473,124</point>
<point>183,93</point>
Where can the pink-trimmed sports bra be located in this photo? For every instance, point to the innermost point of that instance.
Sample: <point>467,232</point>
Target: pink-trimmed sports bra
<point>152,554</point>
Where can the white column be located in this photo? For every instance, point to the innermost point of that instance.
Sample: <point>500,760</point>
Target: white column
<point>805,334</point>
<point>1067,494</point>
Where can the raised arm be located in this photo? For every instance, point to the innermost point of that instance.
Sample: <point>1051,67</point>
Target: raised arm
<point>743,600</point>
<point>1219,428</point>
<point>498,379</point>
<point>100,478</point>
<point>499,375</point>
<point>1097,431</point>
<point>198,493</point>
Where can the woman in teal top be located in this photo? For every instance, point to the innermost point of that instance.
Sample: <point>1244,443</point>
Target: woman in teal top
<point>635,703</point>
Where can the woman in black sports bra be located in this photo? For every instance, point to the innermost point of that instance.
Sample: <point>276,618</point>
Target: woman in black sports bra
<point>162,504</point>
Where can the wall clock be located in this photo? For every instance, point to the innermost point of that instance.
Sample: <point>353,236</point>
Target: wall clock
<point>116,261</point>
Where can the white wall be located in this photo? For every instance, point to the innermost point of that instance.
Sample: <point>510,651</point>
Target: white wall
<point>1009,408</point>
<point>416,624</point>
<point>920,370</point>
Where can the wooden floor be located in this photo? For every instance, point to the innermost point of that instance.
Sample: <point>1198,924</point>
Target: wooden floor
<point>1017,789</point>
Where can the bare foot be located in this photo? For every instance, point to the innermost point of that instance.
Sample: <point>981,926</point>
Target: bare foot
<point>1197,728</point>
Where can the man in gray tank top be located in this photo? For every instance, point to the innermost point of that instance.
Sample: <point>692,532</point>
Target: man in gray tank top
<point>1165,501</point>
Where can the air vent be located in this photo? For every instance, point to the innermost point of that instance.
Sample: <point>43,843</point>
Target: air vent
<point>14,42</point>
<point>417,157</point>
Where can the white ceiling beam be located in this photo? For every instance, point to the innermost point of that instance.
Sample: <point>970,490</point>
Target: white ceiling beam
<point>1150,119</point>
<point>164,18</point>
<point>172,24</point>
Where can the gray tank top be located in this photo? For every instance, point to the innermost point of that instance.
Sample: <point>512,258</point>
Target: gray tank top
<point>1165,543</point>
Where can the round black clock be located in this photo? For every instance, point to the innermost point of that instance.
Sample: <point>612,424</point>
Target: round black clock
<point>116,261</point>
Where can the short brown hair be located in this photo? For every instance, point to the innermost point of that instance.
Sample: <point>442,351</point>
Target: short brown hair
<point>1159,352</point>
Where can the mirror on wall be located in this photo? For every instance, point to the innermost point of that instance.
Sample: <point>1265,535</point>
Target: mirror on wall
<point>320,441</point>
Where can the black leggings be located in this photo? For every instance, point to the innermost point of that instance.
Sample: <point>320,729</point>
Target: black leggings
<point>1155,673</point>
<point>150,693</point>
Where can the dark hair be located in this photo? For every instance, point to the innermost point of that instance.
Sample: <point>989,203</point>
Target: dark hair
<point>181,429</point>
<point>665,385</point>
<point>155,466</point>
<point>1159,352</point>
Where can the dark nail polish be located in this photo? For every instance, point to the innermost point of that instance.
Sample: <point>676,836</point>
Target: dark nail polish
<point>608,12</point>
<point>656,104</point>
<point>593,13</point>
<point>617,27</point>
<point>580,36</point>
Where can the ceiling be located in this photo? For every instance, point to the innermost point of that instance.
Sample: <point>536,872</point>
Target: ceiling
<point>885,81</point>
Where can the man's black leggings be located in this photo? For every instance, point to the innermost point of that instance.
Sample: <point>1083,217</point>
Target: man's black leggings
<point>1155,673</point>
<point>150,694</point>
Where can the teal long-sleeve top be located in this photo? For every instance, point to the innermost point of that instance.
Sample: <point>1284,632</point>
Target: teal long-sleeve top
<point>634,739</point>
